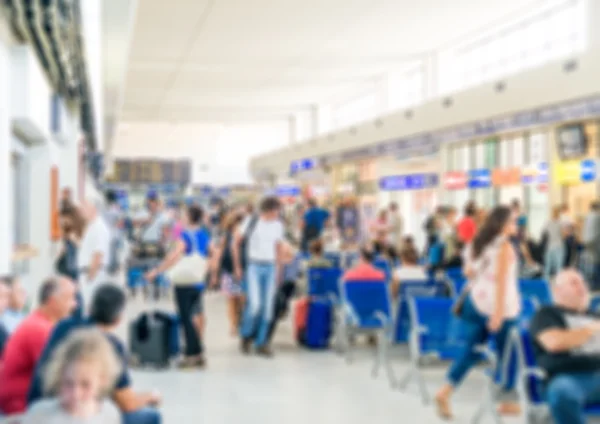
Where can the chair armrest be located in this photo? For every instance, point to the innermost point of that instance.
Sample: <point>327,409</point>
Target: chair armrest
<point>534,372</point>
<point>383,318</point>
<point>487,352</point>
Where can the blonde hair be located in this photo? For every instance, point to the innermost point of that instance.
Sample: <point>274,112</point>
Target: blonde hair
<point>90,346</point>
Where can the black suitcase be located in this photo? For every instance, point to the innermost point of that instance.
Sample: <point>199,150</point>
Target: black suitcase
<point>152,339</point>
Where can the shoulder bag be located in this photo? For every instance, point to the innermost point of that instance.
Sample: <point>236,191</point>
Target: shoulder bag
<point>190,269</point>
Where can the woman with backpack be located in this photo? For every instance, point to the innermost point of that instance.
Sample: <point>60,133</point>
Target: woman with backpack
<point>225,270</point>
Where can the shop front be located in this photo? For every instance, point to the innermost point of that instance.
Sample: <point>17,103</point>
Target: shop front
<point>416,196</point>
<point>499,170</point>
<point>575,160</point>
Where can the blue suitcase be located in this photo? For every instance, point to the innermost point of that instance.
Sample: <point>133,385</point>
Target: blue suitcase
<point>318,324</point>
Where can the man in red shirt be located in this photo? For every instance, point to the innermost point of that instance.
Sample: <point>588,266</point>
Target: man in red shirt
<point>25,345</point>
<point>364,269</point>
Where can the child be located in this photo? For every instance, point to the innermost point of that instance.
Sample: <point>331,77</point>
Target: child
<point>78,378</point>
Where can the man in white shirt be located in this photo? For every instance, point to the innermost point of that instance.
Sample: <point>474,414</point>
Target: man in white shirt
<point>264,247</point>
<point>154,221</point>
<point>94,252</point>
<point>396,224</point>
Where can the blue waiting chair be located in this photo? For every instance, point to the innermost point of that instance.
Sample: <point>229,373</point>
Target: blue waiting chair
<point>595,303</point>
<point>324,282</point>
<point>458,283</point>
<point>135,278</point>
<point>433,334</point>
<point>537,289</point>
<point>367,309</point>
<point>407,290</point>
<point>334,258</point>
<point>384,265</point>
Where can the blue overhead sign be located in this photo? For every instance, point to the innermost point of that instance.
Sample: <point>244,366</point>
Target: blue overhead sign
<point>287,191</point>
<point>480,178</point>
<point>408,182</point>
<point>302,165</point>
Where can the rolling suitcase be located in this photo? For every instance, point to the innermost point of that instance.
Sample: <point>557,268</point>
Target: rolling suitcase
<point>154,339</point>
<point>318,324</point>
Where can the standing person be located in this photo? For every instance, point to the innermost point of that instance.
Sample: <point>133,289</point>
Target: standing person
<point>348,222</point>
<point>396,225</point>
<point>226,269</point>
<point>66,199</point>
<point>114,219</point>
<point>432,228</point>
<point>313,223</point>
<point>521,218</point>
<point>25,346</point>
<point>492,305</point>
<point>554,255</point>
<point>195,240</point>
<point>72,231</point>
<point>94,252</point>
<point>467,226</point>
<point>591,246</point>
<point>264,251</point>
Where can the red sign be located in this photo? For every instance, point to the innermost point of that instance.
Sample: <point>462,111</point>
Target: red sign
<point>455,180</point>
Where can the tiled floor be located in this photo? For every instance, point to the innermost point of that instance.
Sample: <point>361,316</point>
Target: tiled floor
<point>296,386</point>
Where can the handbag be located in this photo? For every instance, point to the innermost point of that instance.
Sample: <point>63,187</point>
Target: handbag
<point>190,269</point>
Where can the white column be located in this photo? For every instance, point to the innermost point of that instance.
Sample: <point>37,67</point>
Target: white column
<point>324,119</point>
<point>6,183</point>
<point>39,161</point>
<point>592,15</point>
<point>293,129</point>
<point>431,71</point>
<point>314,121</point>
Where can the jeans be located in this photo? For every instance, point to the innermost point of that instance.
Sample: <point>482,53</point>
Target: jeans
<point>475,331</point>
<point>189,304</point>
<point>259,303</point>
<point>568,394</point>
<point>554,260</point>
<point>142,416</point>
<point>78,311</point>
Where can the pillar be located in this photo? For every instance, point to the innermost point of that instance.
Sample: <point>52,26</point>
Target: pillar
<point>6,186</point>
<point>592,16</point>
<point>293,129</point>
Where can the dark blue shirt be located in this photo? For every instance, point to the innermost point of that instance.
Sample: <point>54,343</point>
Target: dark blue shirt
<point>62,330</point>
<point>316,217</point>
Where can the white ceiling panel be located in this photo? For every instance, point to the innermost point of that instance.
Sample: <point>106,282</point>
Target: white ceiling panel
<point>198,60</point>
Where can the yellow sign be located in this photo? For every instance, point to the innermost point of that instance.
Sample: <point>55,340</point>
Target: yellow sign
<point>567,172</point>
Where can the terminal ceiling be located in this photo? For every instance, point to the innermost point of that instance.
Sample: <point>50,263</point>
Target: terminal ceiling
<point>250,60</point>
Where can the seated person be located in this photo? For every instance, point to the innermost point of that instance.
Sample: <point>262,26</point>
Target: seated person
<point>4,300</point>
<point>25,345</point>
<point>566,339</point>
<point>87,361</point>
<point>15,313</point>
<point>317,257</point>
<point>106,312</point>
<point>364,269</point>
<point>410,270</point>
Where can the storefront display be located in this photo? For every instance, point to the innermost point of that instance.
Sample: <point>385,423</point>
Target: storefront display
<point>417,197</point>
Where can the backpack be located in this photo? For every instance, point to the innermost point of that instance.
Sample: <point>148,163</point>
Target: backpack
<point>246,239</point>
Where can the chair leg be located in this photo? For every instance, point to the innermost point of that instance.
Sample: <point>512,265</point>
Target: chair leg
<point>488,405</point>
<point>387,362</point>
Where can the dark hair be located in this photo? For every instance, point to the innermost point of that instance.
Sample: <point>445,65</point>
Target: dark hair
<point>269,204</point>
<point>409,254</point>
<point>515,203</point>
<point>7,280</point>
<point>110,196</point>
<point>47,290</point>
<point>108,304</point>
<point>491,228</point>
<point>195,214</point>
<point>470,209</point>
<point>595,205</point>
<point>316,247</point>
<point>312,203</point>
<point>367,254</point>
